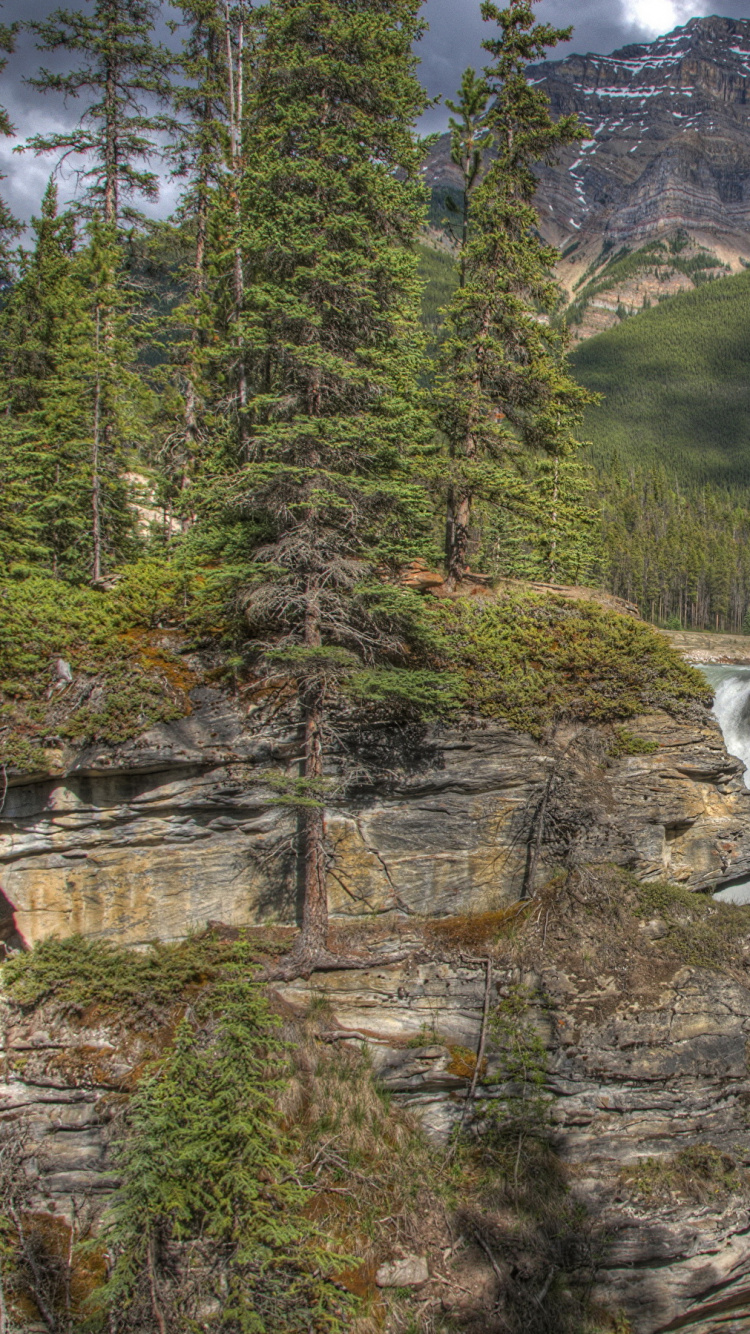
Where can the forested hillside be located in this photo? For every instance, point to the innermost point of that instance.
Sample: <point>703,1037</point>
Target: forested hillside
<point>674,385</point>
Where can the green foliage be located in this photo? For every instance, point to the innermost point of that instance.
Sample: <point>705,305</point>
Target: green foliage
<point>438,274</point>
<point>674,385</point>
<point>206,1170</point>
<point>503,383</point>
<point>75,973</point>
<point>122,681</point>
<point>682,553</point>
<point>122,69</point>
<point>548,526</point>
<point>626,743</point>
<point>700,931</point>
<point>417,691</point>
<point>533,660</point>
<point>331,209</point>
<point>524,1108</point>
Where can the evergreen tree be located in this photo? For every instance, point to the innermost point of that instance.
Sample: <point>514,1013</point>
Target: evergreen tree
<point>503,386</point>
<point>32,327</point>
<point>198,154</point>
<point>10,228</point>
<point>549,526</point>
<point>331,207</point>
<point>123,73</point>
<point>63,503</point>
<point>206,349</point>
<point>469,142</point>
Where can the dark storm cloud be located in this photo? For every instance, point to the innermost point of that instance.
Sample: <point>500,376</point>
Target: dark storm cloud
<point>452,42</point>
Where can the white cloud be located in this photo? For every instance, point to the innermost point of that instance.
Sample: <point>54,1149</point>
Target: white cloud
<point>655,17</point>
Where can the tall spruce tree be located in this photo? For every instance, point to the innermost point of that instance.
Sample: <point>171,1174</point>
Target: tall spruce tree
<point>503,385</point>
<point>62,503</point>
<point>122,79</point>
<point>31,325</point>
<point>331,207</point>
<point>124,74</point>
<point>10,228</point>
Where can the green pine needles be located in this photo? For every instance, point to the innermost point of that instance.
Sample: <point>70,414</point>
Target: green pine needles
<point>208,1226</point>
<point>503,386</point>
<point>331,208</point>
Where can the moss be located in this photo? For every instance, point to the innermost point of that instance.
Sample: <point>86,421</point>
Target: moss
<point>463,1063</point>
<point>475,933</point>
<point>124,678</point>
<point>533,660</point>
<point>700,931</point>
<point>76,973</point>
<point>626,743</point>
<point>700,1174</point>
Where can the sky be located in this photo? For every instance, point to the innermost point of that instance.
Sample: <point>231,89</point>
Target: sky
<point>452,42</point>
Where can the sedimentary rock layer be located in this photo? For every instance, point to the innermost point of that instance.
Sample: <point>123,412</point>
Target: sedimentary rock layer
<point>185,825</point>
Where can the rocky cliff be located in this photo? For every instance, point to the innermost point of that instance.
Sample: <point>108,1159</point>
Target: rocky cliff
<point>638,991</point>
<point>184,825</point>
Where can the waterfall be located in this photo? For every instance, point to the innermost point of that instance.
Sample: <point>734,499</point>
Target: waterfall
<point>732,711</point>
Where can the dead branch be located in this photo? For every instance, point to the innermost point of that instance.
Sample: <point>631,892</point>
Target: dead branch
<point>480,1055</point>
<point>303,963</point>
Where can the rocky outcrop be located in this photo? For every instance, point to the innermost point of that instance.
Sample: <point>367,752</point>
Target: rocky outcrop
<point>434,836</point>
<point>185,825</point>
<point>646,1058</point>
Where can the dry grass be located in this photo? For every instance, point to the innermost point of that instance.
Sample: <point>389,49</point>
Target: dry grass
<point>700,1174</point>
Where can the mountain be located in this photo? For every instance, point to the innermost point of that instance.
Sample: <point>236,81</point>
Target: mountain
<point>675,386</point>
<point>663,175</point>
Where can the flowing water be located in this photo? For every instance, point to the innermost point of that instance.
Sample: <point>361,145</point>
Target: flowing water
<point>732,711</point>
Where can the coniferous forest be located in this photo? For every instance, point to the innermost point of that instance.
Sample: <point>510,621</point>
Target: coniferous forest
<point>288,454</point>
<point>147,365</point>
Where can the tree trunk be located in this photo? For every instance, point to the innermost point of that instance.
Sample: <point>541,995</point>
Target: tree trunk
<point>235,101</point>
<point>111,202</point>
<point>459,525</point>
<point>96,518</point>
<point>315,908</point>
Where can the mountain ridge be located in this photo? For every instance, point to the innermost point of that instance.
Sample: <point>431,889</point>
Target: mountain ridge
<point>668,154</point>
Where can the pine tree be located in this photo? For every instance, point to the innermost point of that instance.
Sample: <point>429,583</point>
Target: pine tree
<point>123,73</point>
<point>503,386</point>
<point>32,326</point>
<point>469,141</point>
<point>63,503</point>
<point>331,207</point>
<point>10,228</point>
<point>206,349</point>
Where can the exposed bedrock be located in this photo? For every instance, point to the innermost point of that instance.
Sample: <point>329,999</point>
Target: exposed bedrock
<point>186,825</point>
<point>639,1068</point>
<point>647,1055</point>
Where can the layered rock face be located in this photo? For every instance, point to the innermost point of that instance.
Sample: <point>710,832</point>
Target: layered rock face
<point>645,1058</point>
<point>646,1050</point>
<point>185,825</point>
<point>668,146</point>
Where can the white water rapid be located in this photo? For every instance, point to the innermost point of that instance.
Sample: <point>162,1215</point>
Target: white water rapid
<point>732,712</point>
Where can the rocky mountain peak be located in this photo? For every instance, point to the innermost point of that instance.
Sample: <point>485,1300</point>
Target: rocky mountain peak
<point>667,153</point>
